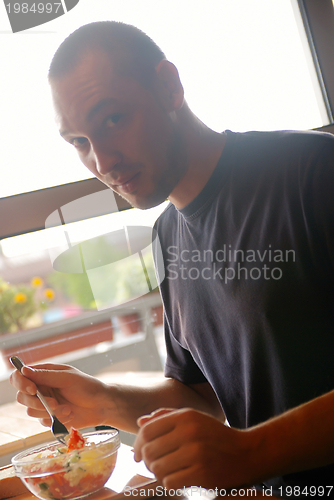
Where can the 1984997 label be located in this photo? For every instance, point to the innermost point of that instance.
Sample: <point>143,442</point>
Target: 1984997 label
<point>34,8</point>
<point>25,14</point>
<point>306,491</point>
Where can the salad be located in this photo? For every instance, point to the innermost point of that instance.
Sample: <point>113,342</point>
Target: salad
<point>67,472</point>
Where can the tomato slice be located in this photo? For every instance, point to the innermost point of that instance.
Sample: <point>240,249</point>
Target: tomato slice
<point>75,441</point>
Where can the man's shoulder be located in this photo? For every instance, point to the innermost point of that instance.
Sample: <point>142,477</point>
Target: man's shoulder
<point>288,138</point>
<point>165,217</point>
<point>164,223</point>
<point>281,151</point>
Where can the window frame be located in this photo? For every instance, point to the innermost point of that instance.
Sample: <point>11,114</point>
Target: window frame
<point>318,20</point>
<point>27,212</point>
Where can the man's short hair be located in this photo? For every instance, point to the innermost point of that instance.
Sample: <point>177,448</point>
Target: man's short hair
<point>137,54</point>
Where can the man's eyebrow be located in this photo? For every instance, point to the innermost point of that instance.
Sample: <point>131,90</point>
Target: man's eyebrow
<point>63,133</point>
<point>101,104</point>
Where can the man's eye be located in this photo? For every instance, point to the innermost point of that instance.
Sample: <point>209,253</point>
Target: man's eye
<point>113,119</point>
<point>78,142</point>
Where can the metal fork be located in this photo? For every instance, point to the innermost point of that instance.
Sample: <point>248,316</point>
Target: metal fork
<point>58,429</point>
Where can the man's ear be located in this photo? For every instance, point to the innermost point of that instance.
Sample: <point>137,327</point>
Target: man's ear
<point>169,86</point>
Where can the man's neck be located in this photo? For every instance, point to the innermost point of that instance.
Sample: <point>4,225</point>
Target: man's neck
<point>204,148</point>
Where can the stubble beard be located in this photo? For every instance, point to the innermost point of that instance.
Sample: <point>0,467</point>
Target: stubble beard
<point>166,180</point>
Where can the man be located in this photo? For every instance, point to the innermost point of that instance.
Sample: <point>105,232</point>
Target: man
<point>248,294</point>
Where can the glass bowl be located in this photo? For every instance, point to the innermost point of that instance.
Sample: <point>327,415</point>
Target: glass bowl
<point>49,472</point>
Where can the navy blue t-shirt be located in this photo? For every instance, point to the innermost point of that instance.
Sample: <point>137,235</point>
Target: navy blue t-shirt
<point>249,286</point>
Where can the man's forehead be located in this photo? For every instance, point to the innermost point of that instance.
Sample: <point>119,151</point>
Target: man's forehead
<point>96,72</point>
<point>93,84</point>
<point>91,68</point>
<point>96,69</point>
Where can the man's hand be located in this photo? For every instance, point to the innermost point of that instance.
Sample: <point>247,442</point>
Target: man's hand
<point>77,399</point>
<point>190,448</point>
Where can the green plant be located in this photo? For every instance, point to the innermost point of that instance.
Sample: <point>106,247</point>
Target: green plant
<point>18,304</point>
<point>75,287</point>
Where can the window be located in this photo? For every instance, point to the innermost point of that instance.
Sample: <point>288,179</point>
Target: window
<point>242,63</point>
<point>62,263</point>
<point>55,302</point>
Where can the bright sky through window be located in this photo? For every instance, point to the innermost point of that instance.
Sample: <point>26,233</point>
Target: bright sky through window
<point>242,65</point>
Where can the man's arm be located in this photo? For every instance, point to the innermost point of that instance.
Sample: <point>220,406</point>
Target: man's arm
<point>299,439</point>
<point>80,400</point>
<point>133,402</point>
<point>187,447</point>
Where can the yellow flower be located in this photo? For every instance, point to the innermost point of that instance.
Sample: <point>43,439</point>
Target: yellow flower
<point>49,294</point>
<point>36,282</point>
<point>20,298</point>
<point>3,287</point>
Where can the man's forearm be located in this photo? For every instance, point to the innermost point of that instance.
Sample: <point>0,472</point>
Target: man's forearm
<point>300,439</point>
<point>127,403</point>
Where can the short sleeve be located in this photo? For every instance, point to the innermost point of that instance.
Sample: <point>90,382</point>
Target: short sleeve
<point>180,364</point>
<point>323,197</point>
<point>317,197</point>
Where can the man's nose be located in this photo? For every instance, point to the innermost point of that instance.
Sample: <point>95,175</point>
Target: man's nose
<point>105,159</point>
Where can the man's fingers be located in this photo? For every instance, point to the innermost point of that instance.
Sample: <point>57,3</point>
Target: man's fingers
<point>50,366</point>
<point>153,426</point>
<point>41,415</point>
<point>21,383</point>
<point>57,379</point>
<point>29,378</point>
<point>157,413</point>
<point>36,409</point>
<point>169,464</point>
<point>64,414</point>
<point>34,403</point>
<point>160,447</point>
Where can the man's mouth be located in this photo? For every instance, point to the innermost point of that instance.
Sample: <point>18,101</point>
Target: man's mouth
<point>127,184</point>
